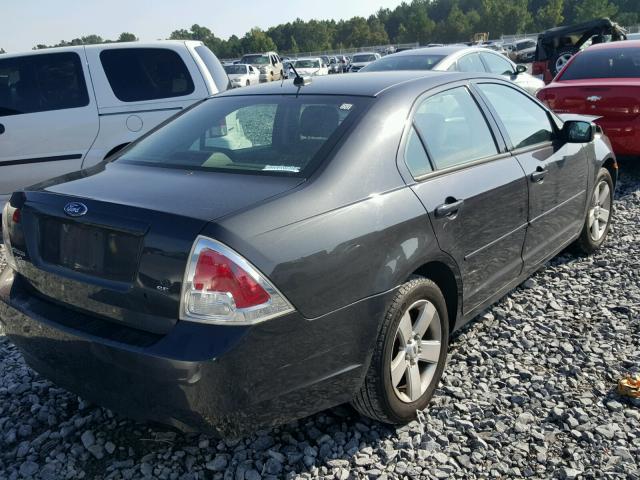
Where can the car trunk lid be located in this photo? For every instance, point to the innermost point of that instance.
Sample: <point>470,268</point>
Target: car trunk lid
<point>613,100</point>
<point>124,258</point>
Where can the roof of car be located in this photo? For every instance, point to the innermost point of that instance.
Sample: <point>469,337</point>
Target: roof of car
<point>579,27</point>
<point>106,45</point>
<point>615,45</point>
<point>369,84</point>
<point>447,50</point>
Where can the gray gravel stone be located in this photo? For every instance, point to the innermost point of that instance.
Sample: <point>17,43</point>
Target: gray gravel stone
<point>529,392</point>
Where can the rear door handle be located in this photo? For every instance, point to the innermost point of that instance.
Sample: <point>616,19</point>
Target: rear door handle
<point>449,208</point>
<point>539,174</point>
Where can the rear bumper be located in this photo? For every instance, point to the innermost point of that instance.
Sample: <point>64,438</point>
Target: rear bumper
<point>623,134</point>
<point>219,379</point>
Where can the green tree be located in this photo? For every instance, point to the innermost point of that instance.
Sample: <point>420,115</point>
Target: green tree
<point>256,41</point>
<point>294,45</point>
<point>586,10</point>
<point>505,16</point>
<point>550,15</point>
<point>127,37</point>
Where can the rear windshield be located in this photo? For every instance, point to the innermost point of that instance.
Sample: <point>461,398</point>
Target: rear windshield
<point>404,62</point>
<point>307,64</point>
<point>610,63</point>
<point>235,69</point>
<point>255,59</point>
<point>364,58</point>
<point>258,134</point>
<point>215,68</point>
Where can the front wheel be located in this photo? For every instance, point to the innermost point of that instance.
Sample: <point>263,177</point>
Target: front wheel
<point>599,215</point>
<point>409,355</point>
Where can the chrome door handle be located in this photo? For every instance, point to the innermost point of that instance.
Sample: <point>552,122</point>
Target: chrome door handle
<point>539,174</point>
<point>449,208</point>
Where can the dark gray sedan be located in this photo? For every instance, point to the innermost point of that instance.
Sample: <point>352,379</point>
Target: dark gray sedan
<point>276,250</point>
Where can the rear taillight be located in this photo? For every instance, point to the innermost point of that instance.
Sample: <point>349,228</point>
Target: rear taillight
<point>547,98</point>
<point>9,216</point>
<point>221,287</point>
<point>538,68</point>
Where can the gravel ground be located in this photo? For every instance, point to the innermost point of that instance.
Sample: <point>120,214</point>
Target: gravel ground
<point>529,392</point>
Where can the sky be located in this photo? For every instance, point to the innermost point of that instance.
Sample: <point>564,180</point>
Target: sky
<point>25,23</point>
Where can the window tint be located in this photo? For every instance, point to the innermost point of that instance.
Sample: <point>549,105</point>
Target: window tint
<point>39,83</point>
<point>138,74</point>
<point>497,64</point>
<point>454,129</point>
<point>275,135</point>
<point>415,156</point>
<point>215,68</point>
<point>470,63</point>
<point>610,63</point>
<point>525,121</point>
<point>404,62</point>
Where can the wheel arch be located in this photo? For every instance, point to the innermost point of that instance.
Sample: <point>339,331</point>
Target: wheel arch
<point>448,280</point>
<point>612,167</point>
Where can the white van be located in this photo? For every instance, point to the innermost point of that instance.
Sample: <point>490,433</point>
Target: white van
<point>64,109</point>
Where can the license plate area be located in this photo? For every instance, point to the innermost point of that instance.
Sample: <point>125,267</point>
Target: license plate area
<point>88,249</point>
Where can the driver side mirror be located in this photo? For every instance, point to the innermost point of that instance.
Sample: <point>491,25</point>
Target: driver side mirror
<point>576,131</point>
<point>521,69</point>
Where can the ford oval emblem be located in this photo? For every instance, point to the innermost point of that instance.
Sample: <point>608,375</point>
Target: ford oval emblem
<point>75,209</point>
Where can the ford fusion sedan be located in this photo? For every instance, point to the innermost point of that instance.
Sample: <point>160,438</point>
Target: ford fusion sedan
<point>326,258</point>
<point>604,81</point>
<point>458,58</point>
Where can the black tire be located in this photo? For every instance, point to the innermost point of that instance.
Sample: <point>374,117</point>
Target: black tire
<point>586,243</point>
<point>564,51</point>
<point>377,398</point>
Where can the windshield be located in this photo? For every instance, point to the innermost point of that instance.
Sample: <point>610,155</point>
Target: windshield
<point>524,45</point>
<point>236,69</point>
<point>610,63</point>
<point>258,134</point>
<point>404,62</point>
<point>255,59</point>
<point>368,57</point>
<point>307,64</point>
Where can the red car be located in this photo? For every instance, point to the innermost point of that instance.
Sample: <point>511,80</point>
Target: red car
<point>604,81</point>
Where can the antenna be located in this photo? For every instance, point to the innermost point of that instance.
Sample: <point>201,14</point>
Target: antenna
<point>299,81</point>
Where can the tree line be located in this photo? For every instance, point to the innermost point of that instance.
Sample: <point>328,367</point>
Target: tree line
<point>421,21</point>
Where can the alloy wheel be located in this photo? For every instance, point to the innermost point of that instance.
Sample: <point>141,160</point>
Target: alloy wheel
<point>600,211</point>
<point>562,61</point>
<point>416,351</point>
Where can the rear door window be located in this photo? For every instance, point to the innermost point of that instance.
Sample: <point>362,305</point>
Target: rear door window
<point>40,83</point>
<point>526,122</point>
<point>497,64</point>
<point>140,74</point>
<point>454,129</point>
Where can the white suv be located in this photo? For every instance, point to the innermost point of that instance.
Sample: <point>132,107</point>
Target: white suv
<point>65,109</point>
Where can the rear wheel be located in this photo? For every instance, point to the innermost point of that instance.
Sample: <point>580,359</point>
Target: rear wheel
<point>599,215</point>
<point>561,58</point>
<point>409,355</point>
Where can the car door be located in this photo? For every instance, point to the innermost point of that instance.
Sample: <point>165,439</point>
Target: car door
<point>48,118</point>
<point>474,192</point>
<point>556,172</point>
